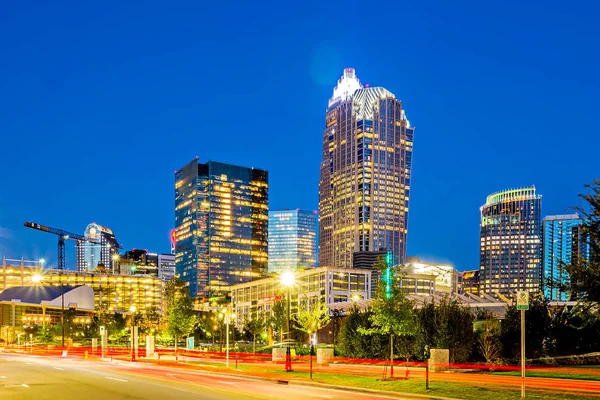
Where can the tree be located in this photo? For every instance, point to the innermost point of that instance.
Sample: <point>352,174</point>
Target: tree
<point>447,325</point>
<point>311,318</point>
<point>488,342</point>
<point>392,314</point>
<point>181,319</point>
<point>278,318</point>
<point>537,329</point>
<point>584,274</point>
<point>354,344</point>
<point>255,326</point>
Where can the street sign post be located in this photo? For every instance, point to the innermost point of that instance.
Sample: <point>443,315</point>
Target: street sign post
<point>522,300</point>
<point>522,305</point>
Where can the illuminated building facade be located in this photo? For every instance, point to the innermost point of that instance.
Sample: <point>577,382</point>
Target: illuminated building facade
<point>98,249</point>
<point>111,292</point>
<point>324,285</point>
<point>292,240</point>
<point>511,242</point>
<point>563,244</point>
<point>470,282</point>
<point>166,266</point>
<point>221,216</point>
<point>446,281</point>
<point>365,174</point>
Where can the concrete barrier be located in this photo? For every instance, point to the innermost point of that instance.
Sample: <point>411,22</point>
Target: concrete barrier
<point>324,356</point>
<point>439,360</point>
<point>278,354</point>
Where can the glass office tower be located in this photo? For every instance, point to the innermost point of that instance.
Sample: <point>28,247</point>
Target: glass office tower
<point>97,251</point>
<point>221,215</point>
<point>292,240</point>
<point>563,243</point>
<point>365,174</point>
<point>511,242</point>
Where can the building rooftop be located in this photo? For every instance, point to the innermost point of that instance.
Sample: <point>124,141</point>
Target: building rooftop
<point>33,294</point>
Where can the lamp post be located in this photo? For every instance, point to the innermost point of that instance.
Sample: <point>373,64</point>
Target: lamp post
<point>227,315</point>
<point>115,259</point>
<point>287,280</point>
<point>132,309</point>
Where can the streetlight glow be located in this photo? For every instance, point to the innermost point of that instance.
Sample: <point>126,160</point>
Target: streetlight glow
<point>37,278</point>
<point>287,279</point>
<point>132,309</point>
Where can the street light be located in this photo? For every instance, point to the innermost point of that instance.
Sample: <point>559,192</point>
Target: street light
<point>37,278</point>
<point>288,279</point>
<point>228,315</point>
<point>115,259</point>
<point>132,310</point>
<point>42,262</point>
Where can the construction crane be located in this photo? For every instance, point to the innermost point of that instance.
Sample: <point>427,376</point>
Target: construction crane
<point>62,237</point>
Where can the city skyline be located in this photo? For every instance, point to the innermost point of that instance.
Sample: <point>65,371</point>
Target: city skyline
<point>146,94</point>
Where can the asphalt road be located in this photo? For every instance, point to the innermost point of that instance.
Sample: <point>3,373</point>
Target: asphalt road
<point>41,378</point>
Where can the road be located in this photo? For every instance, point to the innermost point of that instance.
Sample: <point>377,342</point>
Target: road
<point>53,378</point>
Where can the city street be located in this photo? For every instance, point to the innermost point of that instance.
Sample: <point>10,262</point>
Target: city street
<point>40,378</point>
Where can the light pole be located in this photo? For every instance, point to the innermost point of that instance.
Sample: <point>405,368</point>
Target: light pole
<point>227,314</point>
<point>287,280</point>
<point>132,309</point>
<point>115,259</point>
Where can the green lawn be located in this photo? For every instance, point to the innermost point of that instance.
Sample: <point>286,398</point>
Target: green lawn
<point>415,386</point>
<point>554,374</point>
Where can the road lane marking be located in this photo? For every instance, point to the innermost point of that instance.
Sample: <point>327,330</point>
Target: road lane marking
<point>60,369</point>
<point>115,379</point>
<point>25,385</point>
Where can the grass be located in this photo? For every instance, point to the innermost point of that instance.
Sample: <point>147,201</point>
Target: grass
<point>553,374</point>
<point>457,390</point>
<point>444,389</point>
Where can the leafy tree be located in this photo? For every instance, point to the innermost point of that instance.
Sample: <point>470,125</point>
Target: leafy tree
<point>447,325</point>
<point>392,314</point>
<point>537,329</point>
<point>354,344</point>
<point>181,319</point>
<point>255,326</point>
<point>278,318</point>
<point>311,318</point>
<point>488,341</point>
<point>584,282</point>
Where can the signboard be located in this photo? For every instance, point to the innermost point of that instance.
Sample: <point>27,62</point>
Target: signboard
<point>102,331</point>
<point>522,300</point>
<point>190,343</point>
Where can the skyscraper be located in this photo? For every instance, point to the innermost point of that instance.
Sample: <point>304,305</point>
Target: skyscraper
<point>221,215</point>
<point>365,174</point>
<point>97,250</point>
<point>292,240</point>
<point>511,242</point>
<point>563,243</point>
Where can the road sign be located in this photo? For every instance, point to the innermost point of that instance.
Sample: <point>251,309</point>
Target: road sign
<point>522,300</point>
<point>102,331</point>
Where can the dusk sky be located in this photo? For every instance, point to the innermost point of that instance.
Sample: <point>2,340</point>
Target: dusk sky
<point>100,102</point>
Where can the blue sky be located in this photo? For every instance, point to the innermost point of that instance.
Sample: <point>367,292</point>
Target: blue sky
<point>101,102</point>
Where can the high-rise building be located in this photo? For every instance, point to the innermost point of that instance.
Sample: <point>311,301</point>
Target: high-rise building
<point>563,244</point>
<point>511,242</point>
<point>292,240</point>
<point>365,174</point>
<point>97,251</point>
<point>221,216</point>
<point>166,266</point>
